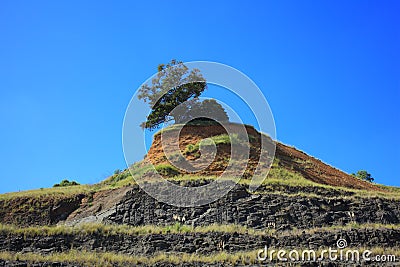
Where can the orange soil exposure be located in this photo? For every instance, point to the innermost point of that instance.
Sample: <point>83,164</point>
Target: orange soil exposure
<point>194,134</point>
<point>289,157</point>
<point>317,171</point>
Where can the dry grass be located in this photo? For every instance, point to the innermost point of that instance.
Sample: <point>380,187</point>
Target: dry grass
<point>87,258</point>
<point>177,228</point>
<point>334,228</point>
<point>109,230</point>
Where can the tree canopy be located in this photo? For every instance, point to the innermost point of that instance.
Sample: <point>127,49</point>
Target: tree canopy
<point>173,85</point>
<point>208,109</point>
<point>364,175</point>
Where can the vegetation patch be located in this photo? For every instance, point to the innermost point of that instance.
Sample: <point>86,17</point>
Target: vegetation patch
<point>177,228</point>
<point>109,230</point>
<point>54,193</point>
<point>66,182</point>
<point>223,139</point>
<point>167,170</point>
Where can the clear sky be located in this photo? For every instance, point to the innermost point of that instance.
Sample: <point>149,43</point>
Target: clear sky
<point>330,71</point>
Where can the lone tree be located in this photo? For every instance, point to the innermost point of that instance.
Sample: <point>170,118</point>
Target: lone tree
<point>173,85</point>
<point>364,175</point>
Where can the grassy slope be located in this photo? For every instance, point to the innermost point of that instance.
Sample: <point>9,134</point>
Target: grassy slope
<point>278,176</point>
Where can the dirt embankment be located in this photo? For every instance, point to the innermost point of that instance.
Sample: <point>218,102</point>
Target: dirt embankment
<point>42,210</point>
<point>315,170</point>
<point>288,157</point>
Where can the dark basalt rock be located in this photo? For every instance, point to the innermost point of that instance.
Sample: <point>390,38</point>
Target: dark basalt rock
<point>260,211</point>
<point>200,243</point>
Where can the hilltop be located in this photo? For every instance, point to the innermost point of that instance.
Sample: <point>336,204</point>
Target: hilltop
<point>303,203</point>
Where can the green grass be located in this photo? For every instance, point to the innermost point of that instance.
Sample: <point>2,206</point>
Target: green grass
<point>167,170</point>
<point>222,139</point>
<point>391,189</point>
<point>55,192</point>
<point>128,176</point>
<point>281,176</point>
<point>277,177</point>
<point>217,140</point>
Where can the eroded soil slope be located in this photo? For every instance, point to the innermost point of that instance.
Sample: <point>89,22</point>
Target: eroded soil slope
<point>287,157</point>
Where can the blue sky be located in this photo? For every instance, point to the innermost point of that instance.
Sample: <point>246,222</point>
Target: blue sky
<point>330,71</point>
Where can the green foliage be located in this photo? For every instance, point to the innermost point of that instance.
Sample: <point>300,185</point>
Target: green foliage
<point>190,148</point>
<point>117,177</point>
<point>167,170</point>
<point>202,122</point>
<point>66,182</point>
<point>179,228</point>
<point>121,176</point>
<point>364,175</point>
<point>208,110</point>
<point>173,85</point>
<point>218,140</point>
<point>139,169</point>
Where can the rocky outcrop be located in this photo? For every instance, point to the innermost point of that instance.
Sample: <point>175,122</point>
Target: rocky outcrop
<point>197,242</point>
<point>264,210</point>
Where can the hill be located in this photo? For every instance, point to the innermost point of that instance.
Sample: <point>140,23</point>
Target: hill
<point>303,204</point>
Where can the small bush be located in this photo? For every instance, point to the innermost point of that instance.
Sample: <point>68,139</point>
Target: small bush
<point>167,170</point>
<point>66,182</point>
<point>190,149</point>
<point>364,175</point>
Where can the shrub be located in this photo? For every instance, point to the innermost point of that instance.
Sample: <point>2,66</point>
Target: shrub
<point>167,170</point>
<point>66,182</point>
<point>364,175</point>
<point>190,149</point>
